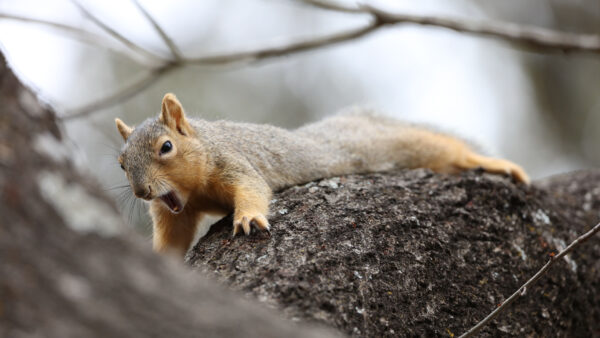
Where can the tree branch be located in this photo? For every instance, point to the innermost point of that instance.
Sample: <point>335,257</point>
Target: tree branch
<point>76,33</point>
<point>528,35</point>
<point>532,280</point>
<point>80,33</point>
<point>175,52</point>
<point>332,6</point>
<point>114,33</point>
<point>120,95</point>
<point>292,48</point>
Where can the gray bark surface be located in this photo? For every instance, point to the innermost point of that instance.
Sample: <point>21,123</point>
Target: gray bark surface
<point>412,253</point>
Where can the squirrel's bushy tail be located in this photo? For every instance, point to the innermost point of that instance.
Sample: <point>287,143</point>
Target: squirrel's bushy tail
<point>361,141</point>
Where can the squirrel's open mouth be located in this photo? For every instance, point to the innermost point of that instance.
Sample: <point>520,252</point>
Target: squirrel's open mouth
<point>171,200</point>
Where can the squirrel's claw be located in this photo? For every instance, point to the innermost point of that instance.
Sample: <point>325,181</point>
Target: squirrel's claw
<point>258,221</point>
<point>243,223</point>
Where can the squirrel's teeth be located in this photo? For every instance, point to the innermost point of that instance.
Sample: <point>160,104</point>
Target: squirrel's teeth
<point>172,202</point>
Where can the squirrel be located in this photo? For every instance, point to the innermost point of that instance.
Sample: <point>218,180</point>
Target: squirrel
<point>189,167</point>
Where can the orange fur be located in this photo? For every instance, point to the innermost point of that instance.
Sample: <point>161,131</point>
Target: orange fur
<point>445,154</point>
<point>176,231</point>
<point>251,206</point>
<point>173,232</point>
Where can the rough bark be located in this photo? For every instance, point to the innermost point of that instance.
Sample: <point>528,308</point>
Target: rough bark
<point>412,253</point>
<point>67,267</point>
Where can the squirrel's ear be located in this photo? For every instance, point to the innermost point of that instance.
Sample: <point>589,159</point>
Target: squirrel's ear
<point>173,116</point>
<point>123,129</point>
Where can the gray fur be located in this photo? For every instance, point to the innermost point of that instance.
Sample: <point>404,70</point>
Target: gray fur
<point>137,152</point>
<point>343,144</point>
<point>355,141</point>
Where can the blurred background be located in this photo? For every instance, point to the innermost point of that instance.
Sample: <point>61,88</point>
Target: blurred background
<point>539,109</point>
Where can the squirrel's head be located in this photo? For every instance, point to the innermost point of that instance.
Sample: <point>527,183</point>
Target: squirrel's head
<point>162,157</point>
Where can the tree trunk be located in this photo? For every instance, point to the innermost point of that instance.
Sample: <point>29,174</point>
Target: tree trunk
<point>66,269</point>
<point>412,253</point>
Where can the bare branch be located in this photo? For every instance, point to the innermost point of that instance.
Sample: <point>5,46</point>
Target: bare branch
<point>120,95</point>
<point>329,5</point>
<point>523,34</point>
<point>76,33</point>
<point>74,30</point>
<point>292,48</point>
<point>530,35</point>
<point>175,52</point>
<point>114,33</point>
<point>535,36</point>
<point>532,280</point>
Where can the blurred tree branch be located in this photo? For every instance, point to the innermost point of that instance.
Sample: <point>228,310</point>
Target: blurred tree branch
<point>77,33</point>
<point>132,45</point>
<point>175,52</point>
<point>123,94</point>
<point>291,48</point>
<point>540,39</point>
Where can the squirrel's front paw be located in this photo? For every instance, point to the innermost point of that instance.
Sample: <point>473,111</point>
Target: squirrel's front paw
<point>247,220</point>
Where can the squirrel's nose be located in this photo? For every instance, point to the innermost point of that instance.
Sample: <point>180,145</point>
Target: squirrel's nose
<point>142,192</point>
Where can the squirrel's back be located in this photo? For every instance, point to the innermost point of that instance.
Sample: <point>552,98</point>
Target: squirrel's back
<point>354,141</point>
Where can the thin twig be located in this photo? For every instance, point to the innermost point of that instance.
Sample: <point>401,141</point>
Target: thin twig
<point>175,52</point>
<point>70,29</point>
<point>292,48</point>
<point>132,45</point>
<point>74,32</point>
<point>120,95</point>
<point>535,36</point>
<point>532,280</point>
<point>332,6</point>
<point>529,35</point>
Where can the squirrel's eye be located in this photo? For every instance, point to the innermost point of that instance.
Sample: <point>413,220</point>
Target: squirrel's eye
<point>166,147</point>
<point>122,167</point>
